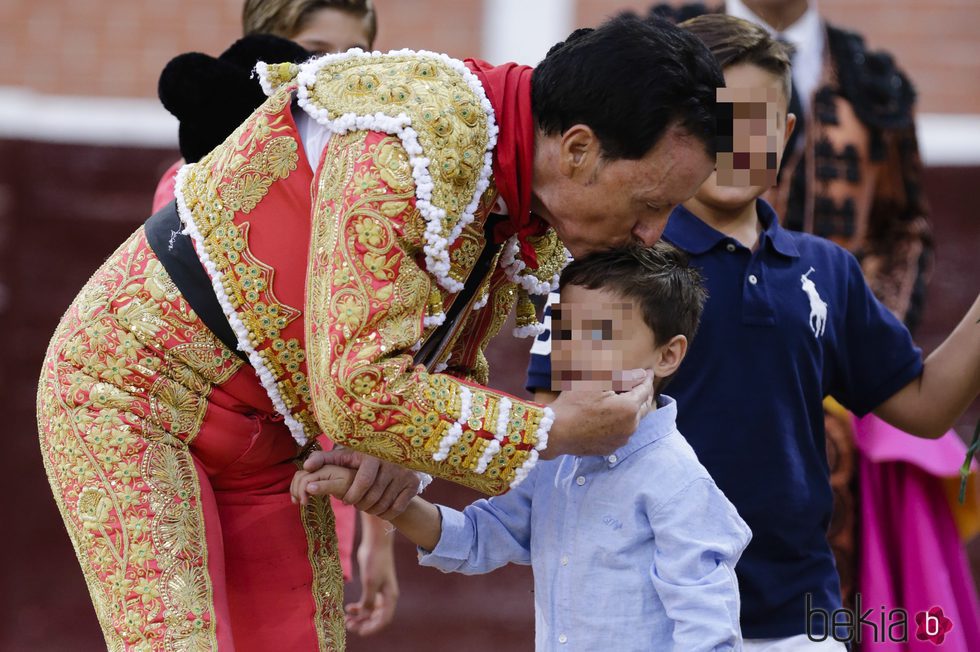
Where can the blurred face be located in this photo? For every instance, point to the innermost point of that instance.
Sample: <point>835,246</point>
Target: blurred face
<point>595,203</point>
<point>750,154</point>
<point>596,336</point>
<point>327,31</point>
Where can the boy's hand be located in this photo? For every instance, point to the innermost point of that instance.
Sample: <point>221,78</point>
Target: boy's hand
<point>380,488</point>
<point>327,480</point>
<point>597,423</point>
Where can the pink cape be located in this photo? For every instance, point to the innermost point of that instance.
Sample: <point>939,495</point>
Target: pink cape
<point>911,556</point>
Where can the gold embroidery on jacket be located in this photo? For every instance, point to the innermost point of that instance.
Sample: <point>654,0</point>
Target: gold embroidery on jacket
<point>366,295</point>
<point>232,180</point>
<point>446,114</point>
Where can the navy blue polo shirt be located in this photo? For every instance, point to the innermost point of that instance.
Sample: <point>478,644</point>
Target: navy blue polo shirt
<point>784,326</point>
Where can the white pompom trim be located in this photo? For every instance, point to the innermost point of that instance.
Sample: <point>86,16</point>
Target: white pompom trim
<point>493,447</point>
<point>544,427</point>
<point>456,430</point>
<point>437,246</point>
<point>521,473</point>
<point>503,419</point>
<point>262,72</point>
<point>424,480</point>
<point>531,330</point>
<point>241,332</point>
<point>513,266</point>
<point>431,321</point>
<point>479,305</point>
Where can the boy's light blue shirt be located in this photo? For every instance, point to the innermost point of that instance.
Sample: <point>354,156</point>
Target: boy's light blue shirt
<point>634,551</point>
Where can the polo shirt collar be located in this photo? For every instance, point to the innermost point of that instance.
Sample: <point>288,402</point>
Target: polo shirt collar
<point>694,236</point>
<point>777,236</point>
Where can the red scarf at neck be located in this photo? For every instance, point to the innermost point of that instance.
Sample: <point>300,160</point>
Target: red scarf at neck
<point>508,87</point>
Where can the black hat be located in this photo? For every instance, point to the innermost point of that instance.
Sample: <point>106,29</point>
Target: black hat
<point>211,97</point>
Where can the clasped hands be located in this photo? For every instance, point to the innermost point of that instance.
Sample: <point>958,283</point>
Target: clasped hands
<point>586,423</point>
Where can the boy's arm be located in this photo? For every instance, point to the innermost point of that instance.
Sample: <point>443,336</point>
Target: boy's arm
<point>929,405</point>
<point>421,523</point>
<point>486,535</point>
<point>699,538</point>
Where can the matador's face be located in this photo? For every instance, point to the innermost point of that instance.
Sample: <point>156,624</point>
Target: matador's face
<point>595,203</point>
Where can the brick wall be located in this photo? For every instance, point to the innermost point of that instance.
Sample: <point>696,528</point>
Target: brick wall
<point>117,47</point>
<point>937,42</point>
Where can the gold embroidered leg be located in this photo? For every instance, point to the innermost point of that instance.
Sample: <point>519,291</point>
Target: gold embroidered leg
<point>131,504</point>
<point>116,413</point>
<point>328,578</point>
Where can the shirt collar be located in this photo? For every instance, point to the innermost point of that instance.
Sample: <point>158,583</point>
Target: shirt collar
<point>777,236</point>
<point>806,31</point>
<point>656,425</point>
<point>694,236</point>
<point>807,37</point>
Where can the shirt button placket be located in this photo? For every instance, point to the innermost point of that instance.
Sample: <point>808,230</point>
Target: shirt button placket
<point>562,639</point>
<point>580,480</point>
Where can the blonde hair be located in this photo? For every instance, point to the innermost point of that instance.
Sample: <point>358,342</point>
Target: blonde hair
<point>733,41</point>
<point>286,18</point>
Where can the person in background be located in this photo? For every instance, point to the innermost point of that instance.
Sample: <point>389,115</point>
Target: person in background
<point>281,30</point>
<point>852,173</point>
<point>317,26</point>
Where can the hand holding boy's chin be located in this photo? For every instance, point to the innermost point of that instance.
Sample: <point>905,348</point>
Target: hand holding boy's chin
<point>593,422</point>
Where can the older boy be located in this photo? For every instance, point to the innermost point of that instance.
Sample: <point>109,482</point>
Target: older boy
<point>789,320</point>
<point>637,547</point>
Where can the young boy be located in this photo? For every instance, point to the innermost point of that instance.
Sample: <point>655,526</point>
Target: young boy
<point>637,548</point>
<point>789,320</point>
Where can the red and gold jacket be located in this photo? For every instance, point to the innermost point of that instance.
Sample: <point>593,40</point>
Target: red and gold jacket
<point>365,291</point>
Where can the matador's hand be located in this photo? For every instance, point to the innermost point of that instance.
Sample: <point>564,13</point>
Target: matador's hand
<point>597,422</point>
<point>380,488</point>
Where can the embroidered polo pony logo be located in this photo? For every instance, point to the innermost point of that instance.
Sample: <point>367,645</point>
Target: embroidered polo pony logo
<point>818,307</point>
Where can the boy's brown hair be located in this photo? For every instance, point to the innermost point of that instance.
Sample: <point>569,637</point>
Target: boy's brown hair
<point>286,18</point>
<point>733,41</point>
<point>668,291</point>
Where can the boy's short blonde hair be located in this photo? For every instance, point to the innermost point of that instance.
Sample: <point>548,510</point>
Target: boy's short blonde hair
<point>733,41</point>
<point>286,18</point>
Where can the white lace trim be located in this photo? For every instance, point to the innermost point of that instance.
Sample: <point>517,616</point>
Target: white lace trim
<point>241,332</point>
